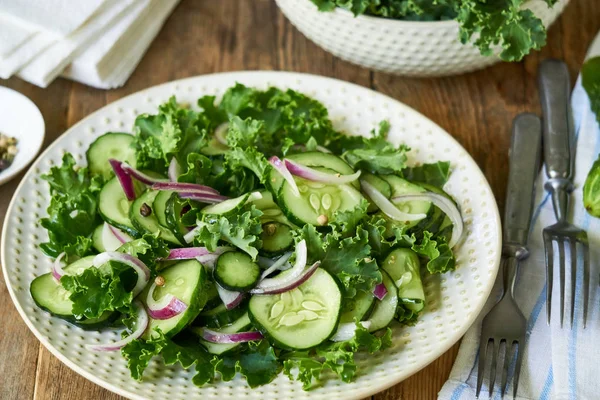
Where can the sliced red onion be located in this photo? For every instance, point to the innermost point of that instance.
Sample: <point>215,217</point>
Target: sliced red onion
<point>287,285</point>
<point>276,265</point>
<point>168,307</point>
<point>120,235</point>
<point>230,338</point>
<point>380,291</point>
<point>139,175</point>
<point>143,273</point>
<point>124,179</point>
<point>229,298</point>
<point>141,325</point>
<point>443,203</point>
<point>187,253</point>
<point>312,174</point>
<point>346,331</point>
<point>221,133</point>
<point>208,260</point>
<point>203,197</point>
<point>109,240</point>
<point>57,271</point>
<point>386,206</point>
<point>282,169</point>
<point>189,237</point>
<point>184,187</point>
<point>174,170</point>
<point>293,274</point>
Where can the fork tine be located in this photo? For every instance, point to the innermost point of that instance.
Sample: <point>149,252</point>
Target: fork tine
<point>508,355</point>
<point>481,367</point>
<point>520,347</point>
<point>561,270</point>
<point>586,281</point>
<point>495,350</point>
<point>549,273</point>
<point>573,257</point>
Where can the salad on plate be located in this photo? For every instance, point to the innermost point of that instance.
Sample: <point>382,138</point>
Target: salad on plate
<point>245,237</point>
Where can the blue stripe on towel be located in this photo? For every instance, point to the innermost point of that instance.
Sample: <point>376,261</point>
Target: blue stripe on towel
<point>545,395</point>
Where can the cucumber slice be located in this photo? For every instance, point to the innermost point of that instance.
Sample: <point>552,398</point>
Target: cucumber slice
<point>188,281</point>
<point>401,186</point>
<point>242,324</point>
<point>403,267</point>
<point>236,271</point>
<point>214,148</point>
<point>173,217</point>
<point>303,317</point>
<point>148,223</point>
<point>311,159</point>
<point>113,207</point>
<point>97,239</point>
<point>318,202</point>
<point>227,207</point>
<point>358,307</point>
<point>92,324</point>
<point>220,316</point>
<point>159,207</point>
<point>110,145</point>
<point>378,184</point>
<point>384,310</point>
<point>276,237</point>
<point>271,211</point>
<point>315,159</point>
<point>50,296</point>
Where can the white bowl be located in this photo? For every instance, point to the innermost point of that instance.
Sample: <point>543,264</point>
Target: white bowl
<point>410,48</point>
<point>21,119</point>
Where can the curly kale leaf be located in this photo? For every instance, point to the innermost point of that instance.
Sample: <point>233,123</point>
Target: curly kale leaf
<point>72,214</point>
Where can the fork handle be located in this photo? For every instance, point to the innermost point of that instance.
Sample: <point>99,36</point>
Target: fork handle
<point>554,86</point>
<point>560,190</point>
<point>509,274</point>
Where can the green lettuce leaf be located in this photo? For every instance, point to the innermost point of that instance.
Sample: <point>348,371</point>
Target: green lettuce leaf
<point>590,80</point>
<point>175,131</point>
<point>435,174</point>
<point>72,213</point>
<point>440,257</point>
<point>348,259</point>
<point>149,249</point>
<point>337,357</point>
<point>375,154</point>
<point>257,362</point>
<point>96,290</point>
<point>591,190</point>
<point>241,230</point>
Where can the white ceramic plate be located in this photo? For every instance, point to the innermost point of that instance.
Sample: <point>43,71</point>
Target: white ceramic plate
<point>20,118</point>
<point>453,300</point>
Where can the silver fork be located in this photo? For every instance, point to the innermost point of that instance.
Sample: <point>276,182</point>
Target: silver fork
<point>503,328</point>
<point>559,147</point>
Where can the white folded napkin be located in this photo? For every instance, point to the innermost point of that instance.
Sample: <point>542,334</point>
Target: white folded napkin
<point>60,17</point>
<point>110,60</point>
<point>558,363</point>
<point>51,62</point>
<point>24,53</point>
<point>12,35</point>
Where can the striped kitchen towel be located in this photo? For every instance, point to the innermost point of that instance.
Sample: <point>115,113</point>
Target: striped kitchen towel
<point>558,363</point>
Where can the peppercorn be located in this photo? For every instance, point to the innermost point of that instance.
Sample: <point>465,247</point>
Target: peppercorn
<point>145,210</point>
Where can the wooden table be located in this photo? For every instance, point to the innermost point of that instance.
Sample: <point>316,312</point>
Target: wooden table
<point>204,36</point>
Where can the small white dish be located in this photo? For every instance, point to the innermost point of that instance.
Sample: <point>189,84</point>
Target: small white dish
<point>20,118</point>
